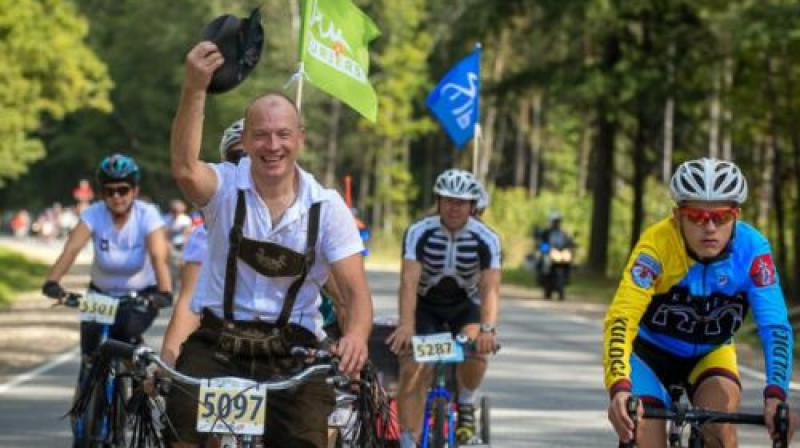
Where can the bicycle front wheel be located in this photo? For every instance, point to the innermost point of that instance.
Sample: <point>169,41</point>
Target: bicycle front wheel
<point>118,412</point>
<point>439,424</point>
<point>485,421</point>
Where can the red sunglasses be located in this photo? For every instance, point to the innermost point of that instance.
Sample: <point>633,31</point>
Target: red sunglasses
<point>701,216</point>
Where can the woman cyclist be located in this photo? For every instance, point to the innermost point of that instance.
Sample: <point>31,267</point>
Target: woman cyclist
<point>130,253</point>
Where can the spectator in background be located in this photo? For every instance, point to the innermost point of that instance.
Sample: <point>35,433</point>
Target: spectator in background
<point>67,220</point>
<point>179,224</point>
<point>21,223</point>
<point>83,194</point>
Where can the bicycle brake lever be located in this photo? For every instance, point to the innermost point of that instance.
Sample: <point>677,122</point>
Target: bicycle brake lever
<point>632,408</point>
<point>781,422</point>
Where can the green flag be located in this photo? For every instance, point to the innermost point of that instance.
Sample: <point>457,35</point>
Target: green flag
<point>333,49</point>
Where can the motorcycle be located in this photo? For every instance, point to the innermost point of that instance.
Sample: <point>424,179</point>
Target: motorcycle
<point>554,265</point>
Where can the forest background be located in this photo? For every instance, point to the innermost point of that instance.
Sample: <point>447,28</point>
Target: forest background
<point>587,106</point>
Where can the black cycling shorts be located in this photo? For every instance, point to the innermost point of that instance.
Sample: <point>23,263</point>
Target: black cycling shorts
<point>431,318</point>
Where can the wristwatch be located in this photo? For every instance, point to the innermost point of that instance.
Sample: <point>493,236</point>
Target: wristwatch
<point>488,328</point>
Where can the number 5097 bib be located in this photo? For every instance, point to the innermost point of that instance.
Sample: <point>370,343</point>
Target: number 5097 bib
<point>231,405</point>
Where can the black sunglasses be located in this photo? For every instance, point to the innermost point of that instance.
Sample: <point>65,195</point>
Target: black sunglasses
<point>122,190</point>
<point>235,155</point>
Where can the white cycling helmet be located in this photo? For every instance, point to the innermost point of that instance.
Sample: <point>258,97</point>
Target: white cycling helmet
<point>457,184</point>
<point>231,136</point>
<point>555,215</point>
<point>708,180</point>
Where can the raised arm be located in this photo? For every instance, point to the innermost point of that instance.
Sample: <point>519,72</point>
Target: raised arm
<point>195,178</point>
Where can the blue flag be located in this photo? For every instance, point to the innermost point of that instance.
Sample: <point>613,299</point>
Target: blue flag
<point>455,100</point>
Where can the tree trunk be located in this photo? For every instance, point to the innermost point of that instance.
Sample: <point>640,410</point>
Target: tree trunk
<point>584,180</point>
<point>640,139</point>
<point>333,144</point>
<point>639,156</point>
<point>523,128</point>
<point>713,126</point>
<point>377,205</point>
<point>794,136</point>
<point>727,112</point>
<point>536,146</point>
<point>491,115</point>
<point>502,134</point>
<point>669,118</point>
<point>764,195</point>
<point>602,191</point>
<point>777,171</point>
<point>768,165</point>
<point>795,284</point>
<point>603,166</point>
<point>387,161</point>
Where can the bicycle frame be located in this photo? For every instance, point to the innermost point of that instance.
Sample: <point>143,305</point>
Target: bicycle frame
<point>104,431</point>
<point>83,431</point>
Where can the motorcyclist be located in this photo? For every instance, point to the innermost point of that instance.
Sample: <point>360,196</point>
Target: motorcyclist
<point>553,238</point>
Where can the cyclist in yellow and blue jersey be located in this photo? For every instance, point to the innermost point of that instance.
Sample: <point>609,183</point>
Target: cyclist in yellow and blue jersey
<point>687,288</point>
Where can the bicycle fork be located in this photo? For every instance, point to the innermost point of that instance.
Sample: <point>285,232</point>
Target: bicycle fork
<point>433,394</point>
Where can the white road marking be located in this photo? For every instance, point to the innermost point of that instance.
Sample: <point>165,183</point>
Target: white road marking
<point>42,369</point>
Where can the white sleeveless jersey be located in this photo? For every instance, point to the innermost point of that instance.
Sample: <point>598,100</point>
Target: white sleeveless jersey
<point>121,261</point>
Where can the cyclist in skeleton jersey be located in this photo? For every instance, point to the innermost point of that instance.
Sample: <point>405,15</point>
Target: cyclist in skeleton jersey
<point>450,276</point>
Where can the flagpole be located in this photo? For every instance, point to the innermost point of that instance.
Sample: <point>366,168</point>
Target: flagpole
<point>478,136</point>
<point>299,99</point>
<point>476,147</point>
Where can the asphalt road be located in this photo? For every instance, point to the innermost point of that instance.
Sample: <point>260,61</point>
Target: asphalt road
<point>545,384</point>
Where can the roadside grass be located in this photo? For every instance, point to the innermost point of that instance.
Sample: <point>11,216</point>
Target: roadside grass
<point>18,274</point>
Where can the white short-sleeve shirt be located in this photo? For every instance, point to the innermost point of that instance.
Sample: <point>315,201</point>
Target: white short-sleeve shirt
<point>196,248</point>
<point>121,261</point>
<point>258,297</point>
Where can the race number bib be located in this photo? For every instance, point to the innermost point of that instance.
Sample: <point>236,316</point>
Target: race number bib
<point>97,307</point>
<point>436,347</point>
<point>232,405</point>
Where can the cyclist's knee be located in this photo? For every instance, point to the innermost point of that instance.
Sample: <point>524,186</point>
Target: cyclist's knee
<point>718,393</point>
<point>720,436</point>
<point>651,434</point>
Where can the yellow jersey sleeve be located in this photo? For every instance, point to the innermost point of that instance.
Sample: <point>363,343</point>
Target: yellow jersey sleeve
<point>642,278</point>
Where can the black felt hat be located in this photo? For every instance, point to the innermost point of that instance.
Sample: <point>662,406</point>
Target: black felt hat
<point>241,42</point>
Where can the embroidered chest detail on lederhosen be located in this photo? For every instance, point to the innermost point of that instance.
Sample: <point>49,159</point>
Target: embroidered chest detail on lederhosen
<point>269,259</point>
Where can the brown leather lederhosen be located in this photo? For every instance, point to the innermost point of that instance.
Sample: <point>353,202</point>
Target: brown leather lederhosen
<point>257,338</point>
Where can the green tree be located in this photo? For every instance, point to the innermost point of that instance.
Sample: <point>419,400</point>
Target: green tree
<point>46,71</point>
